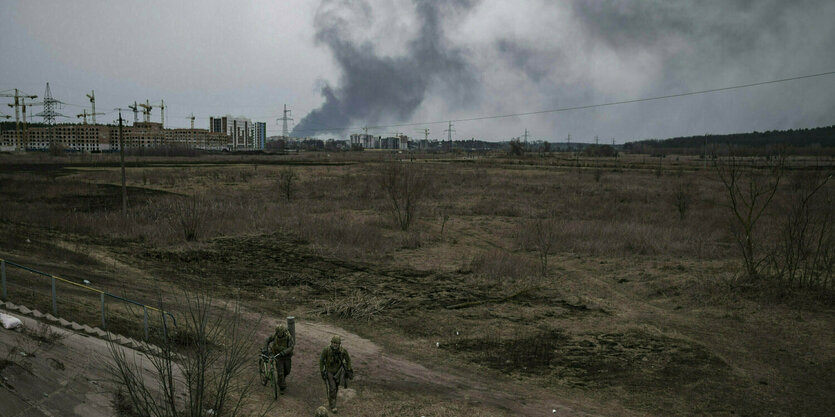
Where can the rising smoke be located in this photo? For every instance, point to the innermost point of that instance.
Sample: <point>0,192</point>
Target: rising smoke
<point>540,54</point>
<point>374,87</point>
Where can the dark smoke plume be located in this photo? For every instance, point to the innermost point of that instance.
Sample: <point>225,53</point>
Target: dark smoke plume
<point>375,88</point>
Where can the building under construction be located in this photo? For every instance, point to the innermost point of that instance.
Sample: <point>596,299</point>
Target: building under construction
<point>105,138</point>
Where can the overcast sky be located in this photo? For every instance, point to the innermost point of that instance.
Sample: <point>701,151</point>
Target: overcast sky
<point>352,63</point>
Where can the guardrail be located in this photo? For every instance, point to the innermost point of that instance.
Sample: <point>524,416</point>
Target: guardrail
<point>103,295</point>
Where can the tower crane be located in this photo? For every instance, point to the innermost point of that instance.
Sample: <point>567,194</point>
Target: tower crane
<point>161,112</point>
<point>92,97</point>
<point>191,132</point>
<point>84,114</point>
<point>146,111</point>
<point>135,109</point>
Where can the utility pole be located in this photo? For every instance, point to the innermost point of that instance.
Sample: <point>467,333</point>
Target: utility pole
<point>284,119</point>
<point>569,142</point>
<point>449,131</point>
<point>122,163</point>
<point>526,139</point>
<point>596,140</point>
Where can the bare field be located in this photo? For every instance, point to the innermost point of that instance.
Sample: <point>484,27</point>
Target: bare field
<point>614,285</point>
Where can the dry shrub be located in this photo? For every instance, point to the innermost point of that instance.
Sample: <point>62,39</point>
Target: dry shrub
<point>503,266</point>
<point>358,305</point>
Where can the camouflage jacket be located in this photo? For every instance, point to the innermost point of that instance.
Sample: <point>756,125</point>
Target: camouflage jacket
<point>282,344</point>
<point>331,361</point>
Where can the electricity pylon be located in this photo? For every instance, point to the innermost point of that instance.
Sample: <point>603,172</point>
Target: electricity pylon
<point>284,119</point>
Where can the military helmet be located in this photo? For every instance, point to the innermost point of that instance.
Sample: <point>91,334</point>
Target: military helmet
<point>280,328</point>
<point>337,340</point>
<point>321,412</point>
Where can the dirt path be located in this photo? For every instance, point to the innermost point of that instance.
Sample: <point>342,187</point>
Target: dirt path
<point>377,369</point>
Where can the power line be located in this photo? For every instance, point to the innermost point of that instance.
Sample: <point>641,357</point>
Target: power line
<point>589,106</point>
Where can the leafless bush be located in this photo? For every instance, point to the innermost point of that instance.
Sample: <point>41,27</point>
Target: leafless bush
<point>287,179</point>
<point>804,253</point>
<point>681,200</point>
<point>750,185</point>
<point>358,305</point>
<point>207,369</point>
<point>190,214</point>
<point>541,235</point>
<point>403,186</point>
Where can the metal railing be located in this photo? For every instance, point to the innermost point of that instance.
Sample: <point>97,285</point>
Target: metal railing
<point>102,294</point>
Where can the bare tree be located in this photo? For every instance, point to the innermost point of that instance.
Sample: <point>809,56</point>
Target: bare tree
<point>750,185</point>
<point>206,364</point>
<point>287,179</point>
<point>681,200</point>
<point>541,235</point>
<point>403,186</point>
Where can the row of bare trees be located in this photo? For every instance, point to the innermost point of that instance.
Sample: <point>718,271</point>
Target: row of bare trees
<point>797,247</point>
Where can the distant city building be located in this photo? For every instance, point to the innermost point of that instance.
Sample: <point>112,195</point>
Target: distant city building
<point>105,138</point>
<point>259,135</point>
<point>239,130</point>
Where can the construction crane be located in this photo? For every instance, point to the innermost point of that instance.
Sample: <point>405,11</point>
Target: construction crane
<point>84,114</point>
<point>161,106</point>
<point>425,133</point>
<point>92,97</point>
<point>146,111</point>
<point>19,101</point>
<point>191,133</point>
<point>135,109</point>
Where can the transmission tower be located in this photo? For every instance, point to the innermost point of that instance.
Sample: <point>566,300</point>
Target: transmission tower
<point>284,119</point>
<point>449,131</point>
<point>50,105</point>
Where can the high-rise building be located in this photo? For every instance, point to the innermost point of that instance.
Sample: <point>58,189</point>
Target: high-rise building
<point>239,130</point>
<point>259,135</point>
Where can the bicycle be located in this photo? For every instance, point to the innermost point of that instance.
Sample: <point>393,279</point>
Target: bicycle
<point>266,369</point>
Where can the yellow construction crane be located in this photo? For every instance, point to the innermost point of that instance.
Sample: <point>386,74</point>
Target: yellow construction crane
<point>146,111</point>
<point>19,102</point>
<point>84,114</point>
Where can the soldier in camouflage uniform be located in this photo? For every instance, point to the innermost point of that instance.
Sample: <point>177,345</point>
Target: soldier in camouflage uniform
<point>335,366</point>
<point>281,343</point>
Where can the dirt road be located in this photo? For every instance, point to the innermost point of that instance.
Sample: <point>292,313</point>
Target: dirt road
<point>69,378</point>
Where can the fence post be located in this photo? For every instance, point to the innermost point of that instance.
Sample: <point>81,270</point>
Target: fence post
<point>103,322</point>
<point>145,320</point>
<point>3,276</point>
<point>54,299</point>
